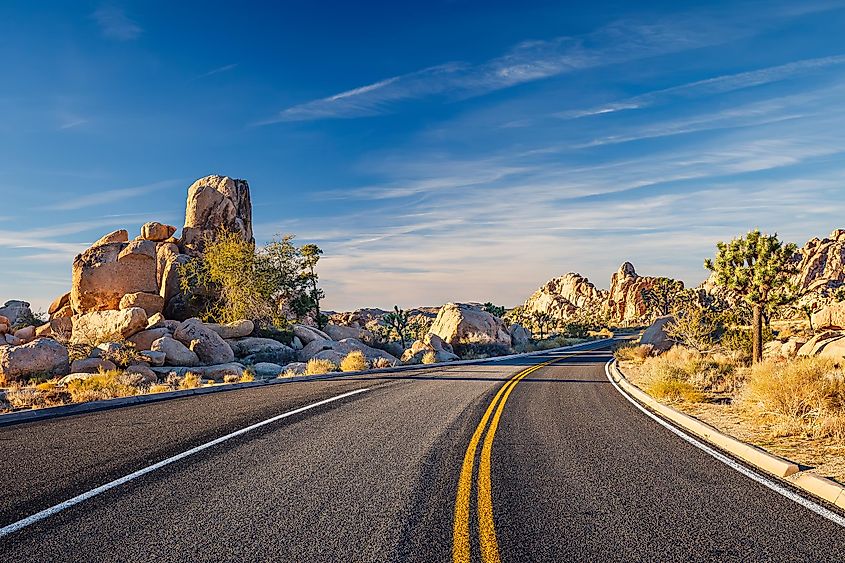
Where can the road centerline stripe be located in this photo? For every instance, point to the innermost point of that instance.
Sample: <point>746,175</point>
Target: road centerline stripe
<point>47,512</point>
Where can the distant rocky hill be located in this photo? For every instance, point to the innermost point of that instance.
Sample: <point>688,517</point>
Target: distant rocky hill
<point>821,273</point>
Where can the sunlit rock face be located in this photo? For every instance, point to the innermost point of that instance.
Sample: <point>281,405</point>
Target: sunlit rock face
<point>215,203</point>
<point>564,296</point>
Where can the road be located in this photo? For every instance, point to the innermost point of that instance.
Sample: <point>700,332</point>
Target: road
<point>417,466</point>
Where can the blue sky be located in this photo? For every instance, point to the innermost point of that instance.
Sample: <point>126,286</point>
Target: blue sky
<point>436,151</point>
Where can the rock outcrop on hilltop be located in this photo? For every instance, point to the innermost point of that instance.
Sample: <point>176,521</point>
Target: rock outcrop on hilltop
<point>568,296</point>
<point>564,296</point>
<point>822,265</point>
<point>214,203</point>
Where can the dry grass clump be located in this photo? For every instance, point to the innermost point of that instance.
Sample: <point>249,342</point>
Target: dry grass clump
<point>104,385</point>
<point>247,376</point>
<point>36,397</point>
<point>634,353</point>
<point>429,357</point>
<point>382,363</point>
<point>805,396</point>
<point>316,366</point>
<point>354,361</point>
<point>683,374</point>
<point>190,380</point>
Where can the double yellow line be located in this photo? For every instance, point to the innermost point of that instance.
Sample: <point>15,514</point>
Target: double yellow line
<point>486,527</point>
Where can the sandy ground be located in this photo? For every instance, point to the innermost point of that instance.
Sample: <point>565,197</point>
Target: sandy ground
<point>825,457</point>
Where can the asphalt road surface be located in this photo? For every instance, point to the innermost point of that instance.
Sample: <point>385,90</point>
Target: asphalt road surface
<point>464,462</point>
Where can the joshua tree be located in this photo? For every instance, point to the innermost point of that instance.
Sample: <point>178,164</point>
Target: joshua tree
<point>542,320</point>
<point>398,321</point>
<point>310,256</point>
<point>494,310</point>
<point>662,296</point>
<point>758,268</point>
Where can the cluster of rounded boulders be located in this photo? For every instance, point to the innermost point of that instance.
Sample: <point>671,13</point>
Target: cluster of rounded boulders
<point>41,356</point>
<point>432,343</point>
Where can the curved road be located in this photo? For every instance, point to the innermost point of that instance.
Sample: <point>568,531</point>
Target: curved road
<point>522,460</point>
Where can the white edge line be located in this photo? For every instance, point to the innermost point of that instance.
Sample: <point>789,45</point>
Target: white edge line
<point>765,481</point>
<point>47,512</point>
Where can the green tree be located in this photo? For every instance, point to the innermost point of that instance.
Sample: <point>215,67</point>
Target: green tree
<point>542,321</point>
<point>311,255</point>
<point>757,267</point>
<point>494,310</point>
<point>398,321</point>
<point>662,296</point>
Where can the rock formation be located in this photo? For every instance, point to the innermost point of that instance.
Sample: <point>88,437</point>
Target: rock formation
<point>562,297</point>
<point>215,203</point>
<point>458,323</point>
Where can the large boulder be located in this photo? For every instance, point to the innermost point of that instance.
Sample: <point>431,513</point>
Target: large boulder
<point>106,326</point>
<point>830,317</point>
<point>120,235</point>
<point>519,334</point>
<point>813,346</point>
<point>459,322</point>
<point>156,231</point>
<point>833,348</point>
<point>338,332</point>
<point>206,343</point>
<point>103,274</point>
<point>261,350</point>
<point>313,348</point>
<point>43,356</point>
<point>656,335</point>
<point>237,329</point>
<point>168,263</point>
<point>151,303</point>
<point>216,203</point>
<point>16,312</point>
<point>625,302</point>
<point>175,353</point>
<point>144,340</point>
<point>308,334</point>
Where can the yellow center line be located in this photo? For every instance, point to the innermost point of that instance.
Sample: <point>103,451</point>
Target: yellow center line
<point>461,535</point>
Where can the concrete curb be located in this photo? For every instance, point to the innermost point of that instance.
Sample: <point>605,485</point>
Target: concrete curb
<point>821,487</point>
<point>93,406</point>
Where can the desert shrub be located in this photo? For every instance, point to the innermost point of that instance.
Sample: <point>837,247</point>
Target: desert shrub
<point>716,373</point>
<point>104,385</point>
<point>429,357</point>
<point>159,388</point>
<point>670,389</point>
<point>354,361</point>
<point>231,378</point>
<point>634,352</point>
<point>247,376</point>
<point>381,363</point>
<point>575,330</point>
<point>79,351</point>
<point>480,350</point>
<point>316,366</point>
<point>122,355</point>
<point>190,380</point>
<point>36,397</point>
<point>803,396</point>
<point>739,339</point>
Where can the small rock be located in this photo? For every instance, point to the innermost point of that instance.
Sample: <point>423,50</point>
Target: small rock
<point>26,334</point>
<point>152,304</point>
<point>156,231</point>
<point>144,340</point>
<point>153,358</point>
<point>267,370</point>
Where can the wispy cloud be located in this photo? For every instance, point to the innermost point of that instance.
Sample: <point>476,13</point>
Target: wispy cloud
<point>69,121</point>
<point>116,24</point>
<point>109,196</point>
<point>218,70</point>
<point>711,86</point>
<point>526,62</point>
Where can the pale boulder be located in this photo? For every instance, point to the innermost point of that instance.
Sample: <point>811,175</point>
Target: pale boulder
<point>251,350</point>
<point>459,322</point>
<point>656,336</point>
<point>830,317</point>
<point>176,353</point>
<point>151,303</point>
<point>216,203</point>
<point>308,334</point>
<point>519,334</point>
<point>41,356</point>
<point>102,275</point>
<point>237,329</point>
<point>120,235</point>
<point>339,332</point>
<point>16,312</point>
<point>833,348</point>
<point>813,346</point>
<point>156,231</point>
<point>144,340</point>
<point>206,343</point>
<point>105,326</point>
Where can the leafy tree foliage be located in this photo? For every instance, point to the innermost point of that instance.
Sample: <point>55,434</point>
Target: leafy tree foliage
<point>663,296</point>
<point>234,280</point>
<point>494,310</point>
<point>757,267</point>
